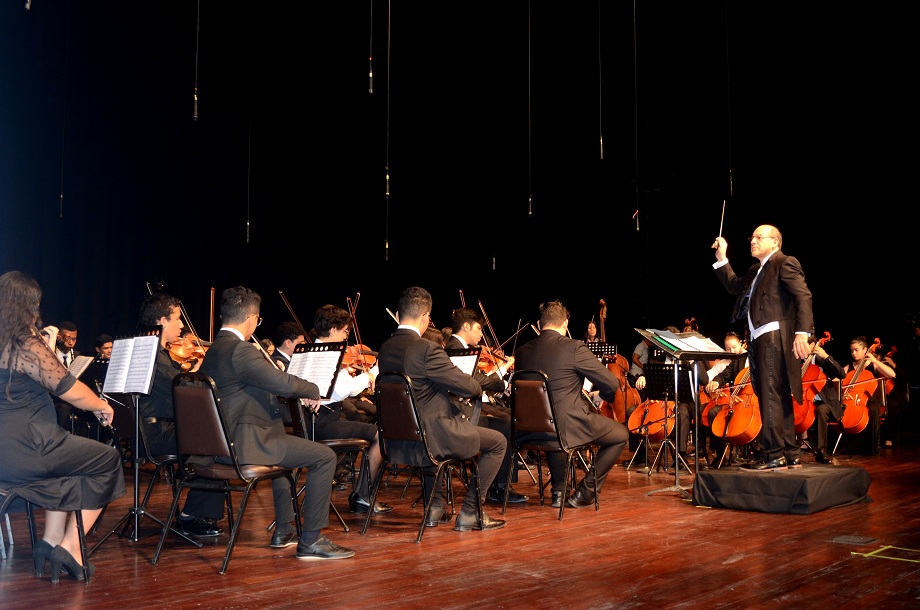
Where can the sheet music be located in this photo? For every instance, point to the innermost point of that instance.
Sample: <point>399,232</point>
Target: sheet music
<point>687,342</point>
<point>79,365</point>
<point>319,363</point>
<point>467,364</point>
<point>132,365</point>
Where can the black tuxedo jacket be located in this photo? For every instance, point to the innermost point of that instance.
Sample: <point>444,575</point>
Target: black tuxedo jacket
<point>780,295</point>
<point>567,362</point>
<point>247,385</point>
<point>450,432</point>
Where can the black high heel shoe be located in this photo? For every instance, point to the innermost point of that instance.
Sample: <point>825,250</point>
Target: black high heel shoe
<point>41,552</point>
<point>61,558</point>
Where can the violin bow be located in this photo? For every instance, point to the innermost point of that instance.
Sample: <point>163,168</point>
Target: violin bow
<point>352,309</point>
<point>287,303</point>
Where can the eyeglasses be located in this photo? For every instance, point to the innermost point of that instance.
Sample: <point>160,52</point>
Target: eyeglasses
<point>754,238</point>
<point>259,323</point>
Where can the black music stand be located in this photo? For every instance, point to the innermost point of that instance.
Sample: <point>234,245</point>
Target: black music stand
<point>660,385</point>
<point>605,351</point>
<point>687,349</point>
<point>138,378</point>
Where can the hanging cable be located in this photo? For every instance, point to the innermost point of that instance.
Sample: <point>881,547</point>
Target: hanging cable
<point>600,83</point>
<point>529,114</point>
<point>248,173</point>
<point>386,242</point>
<point>197,30</point>
<point>728,104</point>
<point>63,109</point>
<point>370,55</point>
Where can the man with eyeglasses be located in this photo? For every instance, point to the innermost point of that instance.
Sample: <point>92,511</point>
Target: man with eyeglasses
<point>775,306</point>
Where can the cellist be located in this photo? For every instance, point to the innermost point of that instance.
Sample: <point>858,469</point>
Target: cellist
<point>827,401</point>
<point>717,377</point>
<point>859,351</point>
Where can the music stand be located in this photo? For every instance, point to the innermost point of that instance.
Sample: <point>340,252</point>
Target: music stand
<point>690,349</point>
<point>604,351</point>
<point>132,372</point>
<point>659,378</point>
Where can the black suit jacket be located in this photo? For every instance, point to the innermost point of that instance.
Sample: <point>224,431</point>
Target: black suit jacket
<point>780,295</point>
<point>567,362</point>
<point>247,385</point>
<point>491,382</point>
<point>434,377</point>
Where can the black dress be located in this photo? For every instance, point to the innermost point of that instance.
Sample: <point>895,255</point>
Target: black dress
<point>78,473</point>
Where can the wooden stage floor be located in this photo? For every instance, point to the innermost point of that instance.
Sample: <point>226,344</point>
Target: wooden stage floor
<point>640,550</point>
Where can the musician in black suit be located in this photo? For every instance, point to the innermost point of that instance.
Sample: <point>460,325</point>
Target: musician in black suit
<point>567,362</point>
<point>775,305</point>
<point>466,331</point>
<point>449,430</point>
<point>247,384</point>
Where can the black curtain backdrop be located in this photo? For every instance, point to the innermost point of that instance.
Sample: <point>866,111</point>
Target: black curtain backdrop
<point>487,119</point>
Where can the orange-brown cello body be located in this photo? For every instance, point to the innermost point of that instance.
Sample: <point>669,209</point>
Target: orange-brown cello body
<point>740,422</point>
<point>813,381</point>
<point>627,396</point>
<point>651,413</point>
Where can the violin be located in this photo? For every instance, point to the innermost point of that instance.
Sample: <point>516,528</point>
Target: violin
<point>359,358</point>
<point>187,352</point>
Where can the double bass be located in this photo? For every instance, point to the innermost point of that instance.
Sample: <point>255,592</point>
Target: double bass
<point>627,396</point>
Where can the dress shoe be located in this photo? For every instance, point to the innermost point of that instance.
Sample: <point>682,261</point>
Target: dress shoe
<point>467,522</point>
<point>821,458</point>
<point>580,499</point>
<point>323,548</point>
<point>796,461</point>
<point>779,462</point>
<point>281,540</point>
<point>198,526</point>
<point>61,558</point>
<point>497,495</point>
<point>437,516</point>
<point>557,499</point>
<point>40,553</point>
<point>357,504</point>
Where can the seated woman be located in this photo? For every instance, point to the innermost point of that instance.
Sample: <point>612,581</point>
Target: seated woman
<point>81,473</point>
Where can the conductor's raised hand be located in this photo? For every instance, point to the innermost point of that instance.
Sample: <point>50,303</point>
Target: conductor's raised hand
<point>721,248</point>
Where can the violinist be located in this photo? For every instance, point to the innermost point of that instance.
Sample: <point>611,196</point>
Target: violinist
<point>860,351</point>
<point>774,304</point>
<point>202,509</point>
<point>466,331</point>
<point>333,324</point>
<point>827,401</point>
<point>288,335</point>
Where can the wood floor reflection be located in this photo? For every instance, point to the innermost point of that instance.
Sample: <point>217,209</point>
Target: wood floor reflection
<point>640,550</point>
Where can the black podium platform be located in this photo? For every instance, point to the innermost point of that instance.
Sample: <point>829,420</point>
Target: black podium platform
<point>800,491</point>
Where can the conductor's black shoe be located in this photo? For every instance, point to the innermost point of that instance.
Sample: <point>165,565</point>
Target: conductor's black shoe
<point>794,461</point>
<point>580,499</point>
<point>821,458</point>
<point>323,548</point>
<point>357,504</point>
<point>779,462</point>
<point>437,516</point>
<point>279,540</point>
<point>557,499</point>
<point>198,526</point>
<point>466,522</point>
<point>497,495</point>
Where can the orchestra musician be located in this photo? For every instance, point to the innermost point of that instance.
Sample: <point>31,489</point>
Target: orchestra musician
<point>722,375</point>
<point>466,331</point>
<point>775,306</point>
<point>567,363</point>
<point>247,384</point>
<point>449,431</point>
<point>827,401</point>
<point>859,351</point>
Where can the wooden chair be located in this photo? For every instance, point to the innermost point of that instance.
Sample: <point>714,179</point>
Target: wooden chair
<point>9,497</point>
<point>398,419</point>
<point>339,445</point>
<point>202,432</point>
<point>533,412</point>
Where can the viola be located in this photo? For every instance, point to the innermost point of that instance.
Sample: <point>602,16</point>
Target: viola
<point>359,358</point>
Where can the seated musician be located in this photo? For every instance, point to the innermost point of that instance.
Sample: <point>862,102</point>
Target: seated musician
<point>860,351</point>
<point>827,401</point>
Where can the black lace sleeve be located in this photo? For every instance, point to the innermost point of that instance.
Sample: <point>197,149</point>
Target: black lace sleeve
<point>38,362</point>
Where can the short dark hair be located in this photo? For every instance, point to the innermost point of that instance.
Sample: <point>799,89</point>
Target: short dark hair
<point>553,313</point>
<point>288,331</point>
<point>68,326</point>
<point>328,317</point>
<point>155,306</point>
<point>414,302</point>
<point>238,303</point>
<point>463,315</point>
<point>103,338</point>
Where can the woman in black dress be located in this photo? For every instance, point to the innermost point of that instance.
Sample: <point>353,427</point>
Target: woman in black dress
<point>79,473</point>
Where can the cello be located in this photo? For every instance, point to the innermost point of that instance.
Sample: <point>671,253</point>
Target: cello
<point>627,396</point>
<point>859,384</point>
<point>813,381</point>
<point>740,423</point>
<point>655,415</point>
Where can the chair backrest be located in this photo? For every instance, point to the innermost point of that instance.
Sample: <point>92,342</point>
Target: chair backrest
<point>532,407</point>
<point>200,426</point>
<point>397,412</point>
